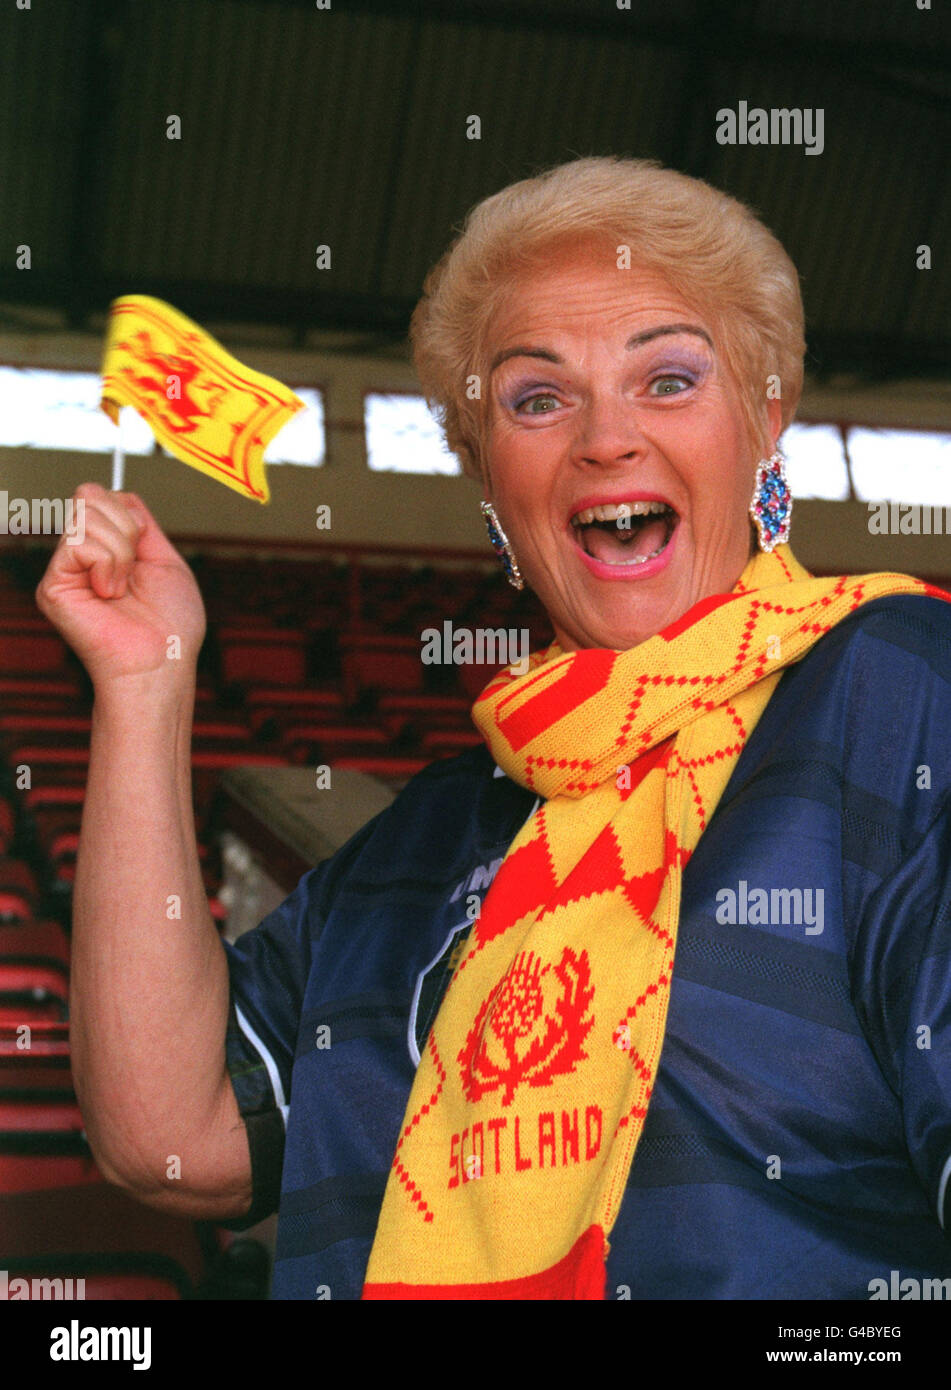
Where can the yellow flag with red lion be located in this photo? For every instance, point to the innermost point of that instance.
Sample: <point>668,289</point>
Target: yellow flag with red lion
<point>205,406</point>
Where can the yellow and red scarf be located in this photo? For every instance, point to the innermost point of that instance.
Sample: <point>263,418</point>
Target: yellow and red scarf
<point>531,1095</point>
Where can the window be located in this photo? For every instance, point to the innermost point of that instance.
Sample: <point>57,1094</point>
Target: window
<point>815,462</point>
<point>901,466</point>
<point>403,437</point>
<point>42,409</point>
<point>303,439</point>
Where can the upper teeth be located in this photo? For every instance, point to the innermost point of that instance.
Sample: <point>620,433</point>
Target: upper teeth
<point>615,511</point>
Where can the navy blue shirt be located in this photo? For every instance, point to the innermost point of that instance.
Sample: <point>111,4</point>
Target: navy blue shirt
<point>798,1140</point>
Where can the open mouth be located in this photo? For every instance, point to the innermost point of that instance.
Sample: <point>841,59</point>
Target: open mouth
<point>625,533</point>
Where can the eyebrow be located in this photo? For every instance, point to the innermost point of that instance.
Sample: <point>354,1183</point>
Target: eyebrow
<point>637,341</point>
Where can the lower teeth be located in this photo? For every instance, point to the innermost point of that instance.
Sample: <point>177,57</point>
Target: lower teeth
<point>638,559</point>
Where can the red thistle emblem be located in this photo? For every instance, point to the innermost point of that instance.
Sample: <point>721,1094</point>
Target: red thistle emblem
<point>530,1028</point>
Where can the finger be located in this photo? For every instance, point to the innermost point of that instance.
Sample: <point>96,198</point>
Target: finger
<point>101,537</point>
<point>114,505</point>
<point>153,544</point>
<point>110,531</point>
<point>107,532</point>
<point>92,561</point>
<point>133,517</point>
<point>103,576</point>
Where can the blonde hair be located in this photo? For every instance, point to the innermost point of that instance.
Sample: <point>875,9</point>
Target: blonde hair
<point>712,249</point>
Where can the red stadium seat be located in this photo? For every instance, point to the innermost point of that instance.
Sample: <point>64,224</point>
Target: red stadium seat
<point>309,742</point>
<point>55,808</point>
<point>283,706</point>
<point>52,822</point>
<point>63,848</point>
<point>42,1142</point>
<point>34,972</point>
<point>28,1061</point>
<point>409,715</point>
<point>45,1042</point>
<point>23,1007</point>
<point>220,733</point>
<point>121,1248</point>
<point>443,743</point>
<point>14,907</point>
<point>55,794</point>
<point>251,654</point>
<point>30,646</point>
<point>54,764</point>
<point>18,877</point>
<point>34,1057</point>
<point>29,723</point>
<point>380,663</point>
<point>425,704</point>
<point>37,693</point>
<point>35,939</point>
<point>7,825</point>
<point>49,1115</point>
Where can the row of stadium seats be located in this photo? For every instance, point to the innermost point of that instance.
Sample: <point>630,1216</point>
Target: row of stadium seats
<point>267,691</point>
<point>59,1220</point>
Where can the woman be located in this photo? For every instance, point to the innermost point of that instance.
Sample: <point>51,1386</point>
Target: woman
<point>719,760</point>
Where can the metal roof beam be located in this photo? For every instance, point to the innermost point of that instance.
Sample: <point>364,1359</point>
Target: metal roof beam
<point>624,26</point>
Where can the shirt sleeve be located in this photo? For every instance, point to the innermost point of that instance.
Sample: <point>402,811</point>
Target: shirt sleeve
<point>907,1002</point>
<point>926,1072</point>
<point>269,968</point>
<point>898,824</point>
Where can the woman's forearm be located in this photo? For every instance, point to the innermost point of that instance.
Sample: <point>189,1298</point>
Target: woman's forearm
<point>149,981</point>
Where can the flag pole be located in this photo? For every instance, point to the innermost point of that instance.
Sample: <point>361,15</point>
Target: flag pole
<point>118,459</point>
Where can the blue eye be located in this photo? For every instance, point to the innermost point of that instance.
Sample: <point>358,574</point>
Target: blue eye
<point>532,400</point>
<point>664,381</point>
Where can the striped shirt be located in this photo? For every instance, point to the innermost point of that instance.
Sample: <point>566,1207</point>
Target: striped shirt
<point>798,1140</point>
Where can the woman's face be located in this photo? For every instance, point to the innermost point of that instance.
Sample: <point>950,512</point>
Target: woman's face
<point>607,392</point>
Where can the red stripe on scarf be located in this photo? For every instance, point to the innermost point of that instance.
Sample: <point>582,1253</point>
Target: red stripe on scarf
<point>579,679</point>
<point>580,1275</point>
<point>524,881</point>
<point>696,613</point>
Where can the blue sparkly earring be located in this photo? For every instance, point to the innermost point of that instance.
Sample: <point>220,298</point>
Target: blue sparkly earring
<point>500,544</point>
<point>771,507</point>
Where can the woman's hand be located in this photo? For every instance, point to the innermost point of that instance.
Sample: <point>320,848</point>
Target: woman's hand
<point>121,595</point>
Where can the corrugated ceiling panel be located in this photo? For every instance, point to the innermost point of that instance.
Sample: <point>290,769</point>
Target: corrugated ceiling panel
<point>42,91</point>
<point>927,309</point>
<point>850,223</point>
<point>347,126</point>
<point>541,98</point>
<point>288,132</point>
<point>855,21</point>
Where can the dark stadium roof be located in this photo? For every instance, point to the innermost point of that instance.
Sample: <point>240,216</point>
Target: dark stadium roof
<point>346,126</point>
